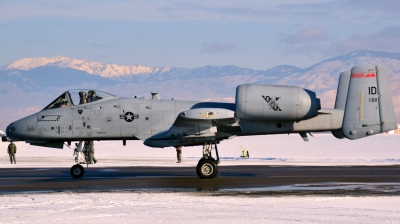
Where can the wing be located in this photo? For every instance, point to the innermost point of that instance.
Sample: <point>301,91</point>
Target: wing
<point>195,126</point>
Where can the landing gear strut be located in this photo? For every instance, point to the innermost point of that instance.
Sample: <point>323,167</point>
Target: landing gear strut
<point>207,167</point>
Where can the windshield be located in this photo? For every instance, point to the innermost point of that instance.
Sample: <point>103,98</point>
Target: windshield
<point>76,97</point>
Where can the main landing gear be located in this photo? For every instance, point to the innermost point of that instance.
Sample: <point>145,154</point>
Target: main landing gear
<point>207,167</point>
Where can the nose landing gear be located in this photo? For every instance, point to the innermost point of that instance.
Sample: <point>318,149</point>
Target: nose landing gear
<point>77,171</point>
<point>84,154</point>
<point>207,167</point>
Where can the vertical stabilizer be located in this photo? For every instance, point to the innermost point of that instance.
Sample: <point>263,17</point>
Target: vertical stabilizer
<point>342,90</point>
<point>369,107</point>
<point>341,97</point>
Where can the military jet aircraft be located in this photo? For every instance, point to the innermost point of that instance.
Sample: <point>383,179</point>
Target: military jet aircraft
<point>363,108</point>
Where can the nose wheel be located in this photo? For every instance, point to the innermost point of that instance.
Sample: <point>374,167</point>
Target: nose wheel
<point>77,171</point>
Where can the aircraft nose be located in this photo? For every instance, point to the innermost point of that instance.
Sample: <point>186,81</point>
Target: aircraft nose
<point>10,130</point>
<point>17,129</point>
<point>20,129</point>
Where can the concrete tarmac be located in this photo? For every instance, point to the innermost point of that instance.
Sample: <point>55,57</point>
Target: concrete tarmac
<point>255,179</point>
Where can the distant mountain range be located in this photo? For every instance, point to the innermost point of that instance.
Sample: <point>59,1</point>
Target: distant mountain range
<point>29,84</point>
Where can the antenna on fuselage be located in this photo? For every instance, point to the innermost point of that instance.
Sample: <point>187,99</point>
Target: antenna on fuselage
<point>155,96</point>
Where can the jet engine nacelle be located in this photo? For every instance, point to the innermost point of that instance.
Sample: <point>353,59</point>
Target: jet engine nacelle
<point>273,102</point>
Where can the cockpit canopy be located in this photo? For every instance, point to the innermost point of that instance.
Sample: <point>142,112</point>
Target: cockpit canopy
<point>76,97</point>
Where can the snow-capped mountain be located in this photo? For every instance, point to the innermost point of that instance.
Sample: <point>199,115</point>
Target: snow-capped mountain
<point>90,67</point>
<point>27,85</point>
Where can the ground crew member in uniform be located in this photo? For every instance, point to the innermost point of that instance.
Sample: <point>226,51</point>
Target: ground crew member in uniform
<point>179,154</point>
<point>12,149</point>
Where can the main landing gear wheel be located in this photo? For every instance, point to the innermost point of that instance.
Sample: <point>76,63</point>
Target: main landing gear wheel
<point>77,171</point>
<point>207,169</point>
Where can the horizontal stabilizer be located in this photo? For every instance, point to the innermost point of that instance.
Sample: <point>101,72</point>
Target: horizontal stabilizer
<point>369,107</point>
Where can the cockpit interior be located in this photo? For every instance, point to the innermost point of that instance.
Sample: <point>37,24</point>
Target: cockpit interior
<point>76,97</point>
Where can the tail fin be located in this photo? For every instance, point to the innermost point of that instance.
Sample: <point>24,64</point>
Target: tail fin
<point>342,90</point>
<point>369,107</point>
<point>341,97</point>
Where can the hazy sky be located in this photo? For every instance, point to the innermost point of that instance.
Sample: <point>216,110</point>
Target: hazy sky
<point>182,33</point>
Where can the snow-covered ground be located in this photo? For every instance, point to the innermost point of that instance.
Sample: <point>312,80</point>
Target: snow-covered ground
<point>147,207</point>
<point>200,207</point>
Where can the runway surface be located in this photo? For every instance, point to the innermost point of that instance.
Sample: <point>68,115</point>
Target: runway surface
<point>274,180</point>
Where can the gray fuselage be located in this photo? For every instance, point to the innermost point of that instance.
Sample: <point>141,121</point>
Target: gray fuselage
<point>118,118</point>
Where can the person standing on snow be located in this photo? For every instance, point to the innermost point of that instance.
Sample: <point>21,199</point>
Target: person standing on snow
<point>179,154</point>
<point>12,150</point>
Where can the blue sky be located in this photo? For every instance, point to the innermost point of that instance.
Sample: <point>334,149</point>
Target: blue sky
<point>177,33</point>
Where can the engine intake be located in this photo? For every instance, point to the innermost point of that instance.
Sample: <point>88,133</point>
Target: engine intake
<point>273,102</point>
